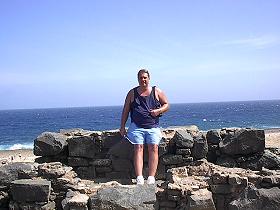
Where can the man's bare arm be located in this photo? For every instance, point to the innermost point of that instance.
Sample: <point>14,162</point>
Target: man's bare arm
<point>163,101</point>
<point>125,112</point>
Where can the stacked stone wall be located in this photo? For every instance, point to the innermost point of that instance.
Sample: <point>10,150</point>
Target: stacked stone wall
<point>78,169</point>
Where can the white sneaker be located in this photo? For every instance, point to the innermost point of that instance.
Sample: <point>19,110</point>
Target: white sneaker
<point>151,180</point>
<point>140,180</point>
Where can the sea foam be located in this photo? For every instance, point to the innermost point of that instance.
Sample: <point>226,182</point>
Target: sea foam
<point>16,146</point>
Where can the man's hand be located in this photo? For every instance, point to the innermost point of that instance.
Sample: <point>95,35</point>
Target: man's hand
<point>122,132</point>
<point>155,112</point>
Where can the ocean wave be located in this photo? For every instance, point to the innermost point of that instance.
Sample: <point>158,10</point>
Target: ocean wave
<point>271,127</point>
<point>16,146</point>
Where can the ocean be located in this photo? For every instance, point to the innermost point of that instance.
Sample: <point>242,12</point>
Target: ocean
<point>19,128</point>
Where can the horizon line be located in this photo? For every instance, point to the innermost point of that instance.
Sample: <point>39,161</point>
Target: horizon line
<point>72,107</point>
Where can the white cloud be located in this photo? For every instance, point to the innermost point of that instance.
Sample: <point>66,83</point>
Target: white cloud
<point>235,66</point>
<point>255,42</point>
<point>22,78</point>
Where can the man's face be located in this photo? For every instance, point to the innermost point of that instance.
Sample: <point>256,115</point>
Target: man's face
<point>143,79</point>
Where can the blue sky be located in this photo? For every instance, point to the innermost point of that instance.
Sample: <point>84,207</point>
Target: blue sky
<point>70,53</point>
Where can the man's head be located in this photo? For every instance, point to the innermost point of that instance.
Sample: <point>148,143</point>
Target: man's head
<point>142,71</point>
<point>143,77</point>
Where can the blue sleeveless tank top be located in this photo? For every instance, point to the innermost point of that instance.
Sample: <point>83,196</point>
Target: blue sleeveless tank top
<point>140,110</point>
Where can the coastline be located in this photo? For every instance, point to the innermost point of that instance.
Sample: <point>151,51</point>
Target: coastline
<point>272,130</point>
<point>272,138</point>
<point>17,155</point>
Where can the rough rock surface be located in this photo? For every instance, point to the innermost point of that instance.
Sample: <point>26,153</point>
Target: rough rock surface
<point>243,142</point>
<point>10,172</point>
<point>28,190</point>
<point>257,199</point>
<point>125,197</point>
<point>188,181</point>
<point>50,144</point>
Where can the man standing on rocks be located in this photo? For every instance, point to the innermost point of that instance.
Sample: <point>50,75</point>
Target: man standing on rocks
<point>145,105</point>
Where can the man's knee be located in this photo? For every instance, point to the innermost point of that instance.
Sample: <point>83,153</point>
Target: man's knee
<point>138,147</point>
<point>153,148</point>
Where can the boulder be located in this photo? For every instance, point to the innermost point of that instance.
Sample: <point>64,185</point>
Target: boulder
<point>200,147</point>
<point>50,144</point>
<point>10,172</point>
<point>201,199</point>
<point>84,146</point>
<point>183,139</point>
<point>269,160</point>
<point>243,142</point>
<point>28,190</point>
<point>134,197</point>
<point>213,137</point>
<point>257,199</point>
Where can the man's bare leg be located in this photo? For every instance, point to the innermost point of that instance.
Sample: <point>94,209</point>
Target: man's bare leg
<point>138,159</point>
<point>153,159</point>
